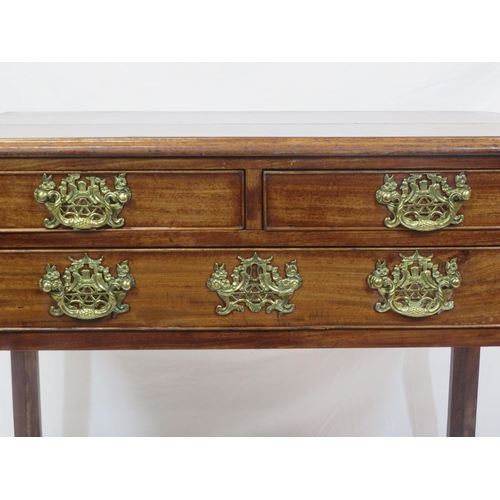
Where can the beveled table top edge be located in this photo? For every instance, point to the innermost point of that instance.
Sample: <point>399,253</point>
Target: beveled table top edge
<point>249,146</point>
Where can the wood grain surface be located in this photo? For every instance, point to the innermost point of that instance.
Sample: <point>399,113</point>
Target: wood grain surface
<point>173,199</point>
<point>316,124</point>
<point>462,402</point>
<point>251,146</point>
<point>306,207</point>
<point>171,291</point>
<point>298,338</point>
<point>340,200</point>
<point>202,198</point>
<point>311,202</point>
<point>94,164</point>
<point>169,238</point>
<point>26,393</point>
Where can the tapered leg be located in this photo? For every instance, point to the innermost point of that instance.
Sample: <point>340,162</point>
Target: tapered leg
<point>26,393</point>
<point>464,378</point>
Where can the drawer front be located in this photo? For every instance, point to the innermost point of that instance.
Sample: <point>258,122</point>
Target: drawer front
<point>171,292</point>
<point>328,200</point>
<point>168,200</point>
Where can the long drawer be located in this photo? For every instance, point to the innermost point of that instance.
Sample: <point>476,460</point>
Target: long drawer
<point>171,292</point>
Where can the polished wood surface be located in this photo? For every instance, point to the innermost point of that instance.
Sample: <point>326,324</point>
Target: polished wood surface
<point>209,187</point>
<point>341,200</point>
<point>96,338</point>
<point>199,238</point>
<point>249,124</point>
<point>100,165</point>
<point>26,393</point>
<point>253,146</point>
<point>464,378</point>
<point>331,204</point>
<point>171,291</point>
<point>159,199</point>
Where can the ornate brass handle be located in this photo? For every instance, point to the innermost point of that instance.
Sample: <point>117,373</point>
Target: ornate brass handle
<point>425,202</point>
<point>255,283</point>
<point>89,291</point>
<point>81,206</point>
<point>417,288</point>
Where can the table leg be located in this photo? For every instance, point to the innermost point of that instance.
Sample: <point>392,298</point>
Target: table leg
<point>464,378</point>
<point>26,393</point>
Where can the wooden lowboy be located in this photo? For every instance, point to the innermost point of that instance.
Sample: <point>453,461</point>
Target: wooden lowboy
<point>206,230</point>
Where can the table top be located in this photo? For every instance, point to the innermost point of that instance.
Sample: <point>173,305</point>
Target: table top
<point>249,124</point>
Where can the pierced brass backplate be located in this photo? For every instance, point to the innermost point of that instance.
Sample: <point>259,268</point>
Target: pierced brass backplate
<point>89,291</point>
<point>81,206</point>
<point>425,202</point>
<point>417,288</point>
<point>255,283</point>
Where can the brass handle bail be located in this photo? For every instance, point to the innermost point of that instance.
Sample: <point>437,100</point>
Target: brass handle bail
<point>79,205</point>
<point>87,290</point>
<point>425,202</point>
<point>255,283</point>
<point>417,288</point>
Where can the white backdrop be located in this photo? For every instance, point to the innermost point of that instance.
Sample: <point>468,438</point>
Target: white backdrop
<point>348,392</point>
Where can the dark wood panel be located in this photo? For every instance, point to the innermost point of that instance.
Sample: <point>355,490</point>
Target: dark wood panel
<point>337,200</point>
<point>251,146</point>
<point>174,199</point>
<point>26,393</point>
<point>169,238</point>
<point>250,339</point>
<point>464,378</point>
<point>171,290</point>
<point>253,199</point>
<point>126,163</point>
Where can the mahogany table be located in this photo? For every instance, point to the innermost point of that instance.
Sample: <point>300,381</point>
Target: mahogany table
<point>249,230</point>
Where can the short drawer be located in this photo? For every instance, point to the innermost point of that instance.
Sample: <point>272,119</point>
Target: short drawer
<point>340,200</point>
<point>171,289</point>
<point>169,200</point>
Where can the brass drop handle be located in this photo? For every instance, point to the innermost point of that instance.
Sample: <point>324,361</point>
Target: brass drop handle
<point>255,283</point>
<point>424,202</point>
<point>417,288</point>
<point>87,290</point>
<point>79,205</point>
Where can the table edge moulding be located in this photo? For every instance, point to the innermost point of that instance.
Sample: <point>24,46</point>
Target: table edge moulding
<point>403,201</point>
